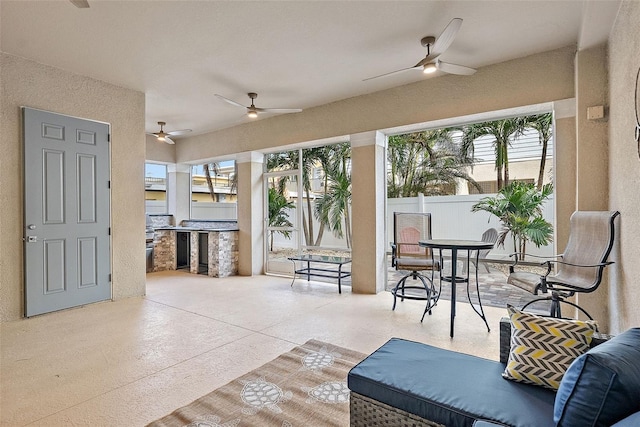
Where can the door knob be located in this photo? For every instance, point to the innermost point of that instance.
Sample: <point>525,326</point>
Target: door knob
<point>31,226</point>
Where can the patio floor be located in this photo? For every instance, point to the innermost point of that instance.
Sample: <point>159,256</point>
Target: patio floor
<point>494,290</point>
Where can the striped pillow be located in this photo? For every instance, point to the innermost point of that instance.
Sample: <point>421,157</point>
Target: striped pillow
<point>542,348</point>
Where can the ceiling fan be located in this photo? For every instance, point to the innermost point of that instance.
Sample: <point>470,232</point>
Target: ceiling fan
<point>253,111</point>
<point>164,136</point>
<point>80,4</point>
<point>435,48</point>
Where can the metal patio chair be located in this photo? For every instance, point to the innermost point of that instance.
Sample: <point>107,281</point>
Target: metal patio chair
<point>579,268</point>
<point>407,254</point>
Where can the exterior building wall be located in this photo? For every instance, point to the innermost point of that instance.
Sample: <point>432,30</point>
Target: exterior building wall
<point>624,169</point>
<point>30,84</point>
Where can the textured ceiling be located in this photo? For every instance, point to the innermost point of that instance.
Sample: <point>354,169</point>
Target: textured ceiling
<point>295,54</point>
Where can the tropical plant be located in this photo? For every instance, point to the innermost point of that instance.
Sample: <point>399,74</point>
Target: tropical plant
<point>278,204</point>
<point>426,162</point>
<point>311,158</point>
<point>334,207</point>
<point>519,207</point>
<point>502,131</point>
<point>215,168</point>
<point>542,124</point>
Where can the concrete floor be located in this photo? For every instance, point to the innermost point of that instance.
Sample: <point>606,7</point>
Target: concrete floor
<point>129,362</point>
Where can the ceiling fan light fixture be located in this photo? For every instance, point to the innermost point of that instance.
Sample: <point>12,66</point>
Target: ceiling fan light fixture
<point>161,138</point>
<point>429,68</point>
<point>252,114</point>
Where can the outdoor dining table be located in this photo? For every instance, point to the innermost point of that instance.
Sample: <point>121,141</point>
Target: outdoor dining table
<point>454,246</point>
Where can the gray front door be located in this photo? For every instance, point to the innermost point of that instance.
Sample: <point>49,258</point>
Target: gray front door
<point>67,259</point>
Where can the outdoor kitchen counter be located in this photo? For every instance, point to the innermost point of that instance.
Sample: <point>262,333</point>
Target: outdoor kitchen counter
<point>216,248</point>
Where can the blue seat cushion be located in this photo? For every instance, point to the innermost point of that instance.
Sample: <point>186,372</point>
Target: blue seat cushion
<point>449,388</point>
<point>602,386</point>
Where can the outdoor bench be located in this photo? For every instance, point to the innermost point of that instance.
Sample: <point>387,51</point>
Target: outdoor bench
<point>405,383</point>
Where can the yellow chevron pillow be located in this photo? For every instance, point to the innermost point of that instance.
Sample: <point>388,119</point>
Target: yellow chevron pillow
<point>542,348</point>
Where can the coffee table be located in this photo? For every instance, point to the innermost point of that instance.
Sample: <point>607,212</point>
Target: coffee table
<point>320,271</point>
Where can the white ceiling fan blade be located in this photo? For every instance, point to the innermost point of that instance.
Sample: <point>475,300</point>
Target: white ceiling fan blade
<point>169,140</point>
<point>415,67</point>
<point>454,68</point>
<point>80,4</point>
<point>446,38</point>
<point>178,132</point>
<point>230,101</point>
<point>278,110</point>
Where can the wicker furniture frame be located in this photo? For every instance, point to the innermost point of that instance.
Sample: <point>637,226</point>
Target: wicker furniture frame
<point>367,412</point>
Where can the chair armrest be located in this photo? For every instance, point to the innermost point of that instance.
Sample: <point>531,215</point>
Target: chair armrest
<point>602,264</point>
<point>516,254</point>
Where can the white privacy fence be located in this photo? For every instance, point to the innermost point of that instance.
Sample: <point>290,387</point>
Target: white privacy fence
<point>451,218</point>
<point>200,210</point>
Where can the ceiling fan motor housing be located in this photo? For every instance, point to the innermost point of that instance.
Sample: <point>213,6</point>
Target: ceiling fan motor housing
<point>427,41</point>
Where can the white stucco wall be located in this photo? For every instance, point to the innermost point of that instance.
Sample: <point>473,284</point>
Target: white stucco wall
<point>624,168</point>
<point>159,151</point>
<point>30,84</point>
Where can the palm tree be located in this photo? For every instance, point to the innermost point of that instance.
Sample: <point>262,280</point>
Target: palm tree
<point>311,158</point>
<point>278,204</point>
<point>541,123</point>
<point>215,168</point>
<point>334,207</point>
<point>426,162</point>
<point>501,131</point>
<point>519,208</point>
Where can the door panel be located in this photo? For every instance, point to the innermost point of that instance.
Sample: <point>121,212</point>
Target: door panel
<point>67,212</point>
<point>87,262</point>
<point>54,265</point>
<point>53,197</point>
<point>86,191</point>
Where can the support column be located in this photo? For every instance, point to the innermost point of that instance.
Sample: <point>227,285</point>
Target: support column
<point>592,156</point>
<point>179,191</point>
<point>368,204</point>
<point>250,214</point>
<point>564,169</point>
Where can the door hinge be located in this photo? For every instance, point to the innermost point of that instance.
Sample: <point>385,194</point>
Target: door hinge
<point>109,184</point>
<point>108,137</point>
<point>109,231</point>
<point>109,276</point>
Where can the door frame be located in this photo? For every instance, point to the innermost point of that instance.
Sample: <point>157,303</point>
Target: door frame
<point>297,229</point>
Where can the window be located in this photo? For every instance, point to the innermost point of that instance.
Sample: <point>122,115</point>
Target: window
<point>213,191</point>
<point>155,188</point>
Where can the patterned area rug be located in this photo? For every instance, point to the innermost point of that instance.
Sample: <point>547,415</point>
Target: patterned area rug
<point>306,386</point>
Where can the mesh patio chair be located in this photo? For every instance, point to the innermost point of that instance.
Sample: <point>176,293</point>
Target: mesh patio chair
<point>407,254</point>
<point>579,268</point>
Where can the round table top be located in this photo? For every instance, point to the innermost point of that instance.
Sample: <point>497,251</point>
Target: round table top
<point>455,244</point>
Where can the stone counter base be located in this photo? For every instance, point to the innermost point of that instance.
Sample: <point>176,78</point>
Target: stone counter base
<point>222,252</point>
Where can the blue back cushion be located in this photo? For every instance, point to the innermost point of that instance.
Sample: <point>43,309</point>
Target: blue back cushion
<point>602,386</point>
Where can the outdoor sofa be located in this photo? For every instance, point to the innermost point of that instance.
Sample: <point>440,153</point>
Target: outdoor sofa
<point>405,383</point>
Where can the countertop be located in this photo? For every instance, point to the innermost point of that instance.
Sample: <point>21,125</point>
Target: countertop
<point>199,229</point>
